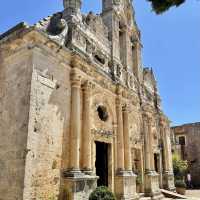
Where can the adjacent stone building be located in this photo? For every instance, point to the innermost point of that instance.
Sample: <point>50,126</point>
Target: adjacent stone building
<point>79,110</point>
<point>186,142</point>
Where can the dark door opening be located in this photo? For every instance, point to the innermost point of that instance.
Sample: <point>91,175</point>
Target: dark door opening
<point>102,163</point>
<point>156,163</point>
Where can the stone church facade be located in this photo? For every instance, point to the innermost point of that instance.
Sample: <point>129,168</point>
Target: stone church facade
<point>78,109</point>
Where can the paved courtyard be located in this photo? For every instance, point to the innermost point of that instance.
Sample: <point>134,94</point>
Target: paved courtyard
<point>191,194</point>
<point>194,194</point>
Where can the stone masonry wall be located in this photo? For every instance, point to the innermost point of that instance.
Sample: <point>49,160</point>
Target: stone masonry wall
<point>48,122</point>
<point>15,75</point>
<point>192,150</point>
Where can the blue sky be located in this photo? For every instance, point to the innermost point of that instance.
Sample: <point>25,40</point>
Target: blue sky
<point>171,46</point>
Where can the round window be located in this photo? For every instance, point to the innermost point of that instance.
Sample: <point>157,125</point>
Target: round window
<point>102,113</point>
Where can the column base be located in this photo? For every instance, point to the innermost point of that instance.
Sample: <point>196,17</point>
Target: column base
<point>125,186</point>
<point>88,172</point>
<point>152,185</point>
<point>168,182</point>
<point>77,185</point>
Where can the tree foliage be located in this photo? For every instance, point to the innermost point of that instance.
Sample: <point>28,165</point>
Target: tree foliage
<point>160,6</point>
<point>180,167</point>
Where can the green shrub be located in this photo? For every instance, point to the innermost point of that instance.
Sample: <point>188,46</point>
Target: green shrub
<point>102,193</point>
<point>180,183</point>
<point>180,167</point>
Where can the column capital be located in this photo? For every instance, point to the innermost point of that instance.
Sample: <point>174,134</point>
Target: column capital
<point>118,101</point>
<point>126,108</point>
<point>88,86</point>
<point>119,90</point>
<point>147,117</point>
<point>163,121</point>
<point>75,79</point>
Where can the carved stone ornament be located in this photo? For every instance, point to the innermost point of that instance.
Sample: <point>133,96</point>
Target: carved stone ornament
<point>57,24</point>
<point>102,132</point>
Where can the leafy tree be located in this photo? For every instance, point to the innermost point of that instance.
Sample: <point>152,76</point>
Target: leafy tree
<point>180,167</point>
<point>160,6</point>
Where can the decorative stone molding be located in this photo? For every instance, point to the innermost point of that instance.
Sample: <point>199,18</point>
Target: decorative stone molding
<point>106,133</point>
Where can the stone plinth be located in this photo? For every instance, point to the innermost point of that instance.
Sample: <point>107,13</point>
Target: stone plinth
<point>125,186</point>
<point>152,184</point>
<point>168,181</point>
<point>78,186</point>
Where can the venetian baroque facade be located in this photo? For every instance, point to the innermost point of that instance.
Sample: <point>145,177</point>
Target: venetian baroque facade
<point>79,110</point>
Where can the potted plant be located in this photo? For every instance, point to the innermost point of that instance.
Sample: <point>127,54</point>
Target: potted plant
<point>180,187</point>
<point>180,168</point>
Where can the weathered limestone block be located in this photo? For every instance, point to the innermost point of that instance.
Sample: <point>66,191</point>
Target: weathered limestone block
<point>152,184</point>
<point>49,102</point>
<point>125,186</point>
<point>15,75</point>
<point>79,187</point>
<point>168,181</point>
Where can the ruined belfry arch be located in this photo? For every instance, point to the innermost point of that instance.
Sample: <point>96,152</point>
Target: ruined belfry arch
<point>77,99</point>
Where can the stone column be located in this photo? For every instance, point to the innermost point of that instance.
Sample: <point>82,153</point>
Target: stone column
<point>168,181</point>
<point>127,150</point>
<point>168,141</point>
<point>76,183</point>
<point>151,178</point>
<point>146,144</point>
<point>142,169</point>
<point>167,148</point>
<point>120,137</point>
<point>166,167</point>
<point>75,122</point>
<point>125,180</point>
<point>151,146</point>
<point>86,133</point>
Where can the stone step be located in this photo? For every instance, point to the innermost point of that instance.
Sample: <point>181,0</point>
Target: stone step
<point>145,198</point>
<point>141,195</point>
<point>171,194</point>
<point>158,197</point>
